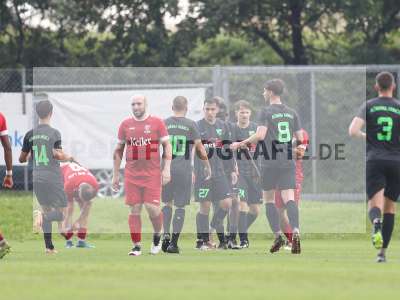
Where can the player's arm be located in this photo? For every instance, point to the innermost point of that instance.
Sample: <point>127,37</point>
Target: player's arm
<point>117,159</point>
<point>202,154</point>
<point>82,221</point>
<point>26,148</point>
<point>259,135</point>
<point>167,158</point>
<point>355,128</point>
<point>69,211</point>
<point>5,142</point>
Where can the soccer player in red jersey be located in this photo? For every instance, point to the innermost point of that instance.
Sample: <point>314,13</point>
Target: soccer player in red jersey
<point>81,187</point>
<point>141,135</point>
<point>8,181</point>
<point>285,226</point>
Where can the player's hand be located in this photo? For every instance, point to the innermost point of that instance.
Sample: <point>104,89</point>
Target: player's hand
<point>300,151</point>
<point>207,172</point>
<point>166,176</point>
<point>234,177</point>
<point>8,182</point>
<point>235,145</point>
<point>115,183</point>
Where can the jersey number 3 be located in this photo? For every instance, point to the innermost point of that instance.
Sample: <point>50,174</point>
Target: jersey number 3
<point>387,126</point>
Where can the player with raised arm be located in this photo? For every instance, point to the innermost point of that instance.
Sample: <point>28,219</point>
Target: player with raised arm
<point>140,137</point>
<point>183,135</point>
<point>81,187</point>
<point>381,116</point>
<point>277,125</point>
<point>216,138</point>
<point>7,181</point>
<point>299,154</point>
<point>248,183</point>
<point>43,144</point>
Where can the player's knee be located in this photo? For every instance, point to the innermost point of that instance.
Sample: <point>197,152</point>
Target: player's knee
<point>226,204</point>
<point>255,210</point>
<point>136,209</point>
<point>180,212</point>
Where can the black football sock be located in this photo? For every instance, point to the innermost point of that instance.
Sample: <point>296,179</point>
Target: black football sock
<point>217,223</point>
<point>177,224</point>
<point>374,214</point>
<point>387,229</point>
<point>272,217</point>
<point>47,228</point>
<point>293,214</point>
<point>242,225</point>
<point>233,226</point>
<point>250,220</point>
<point>156,239</point>
<point>167,216</point>
<point>202,227</point>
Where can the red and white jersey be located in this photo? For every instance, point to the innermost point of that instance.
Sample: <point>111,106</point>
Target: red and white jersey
<point>299,162</point>
<point>142,139</point>
<point>74,175</point>
<point>3,125</point>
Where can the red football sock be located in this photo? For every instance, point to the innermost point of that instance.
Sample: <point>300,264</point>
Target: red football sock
<point>82,233</point>
<point>68,235</point>
<point>288,233</point>
<point>157,223</point>
<point>135,226</point>
<point>1,237</point>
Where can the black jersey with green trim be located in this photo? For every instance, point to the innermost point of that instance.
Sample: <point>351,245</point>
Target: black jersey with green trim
<point>182,134</point>
<point>216,139</point>
<point>282,122</point>
<point>40,142</point>
<point>244,157</point>
<point>382,117</point>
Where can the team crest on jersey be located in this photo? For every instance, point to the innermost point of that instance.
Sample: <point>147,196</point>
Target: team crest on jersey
<point>147,129</point>
<point>219,131</point>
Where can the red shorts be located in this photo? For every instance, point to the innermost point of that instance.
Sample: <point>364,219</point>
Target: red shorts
<point>278,197</point>
<point>147,191</point>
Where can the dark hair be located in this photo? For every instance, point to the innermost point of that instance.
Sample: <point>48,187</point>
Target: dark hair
<point>384,80</point>
<point>44,108</point>
<point>277,86</point>
<point>179,103</point>
<point>211,101</point>
<point>242,103</point>
<point>86,192</point>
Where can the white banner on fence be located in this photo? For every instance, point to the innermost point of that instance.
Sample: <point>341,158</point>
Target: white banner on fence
<point>89,121</point>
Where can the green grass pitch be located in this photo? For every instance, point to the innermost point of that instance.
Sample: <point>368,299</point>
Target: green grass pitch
<point>330,267</point>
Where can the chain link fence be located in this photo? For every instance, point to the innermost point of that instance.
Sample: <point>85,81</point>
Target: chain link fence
<point>326,99</point>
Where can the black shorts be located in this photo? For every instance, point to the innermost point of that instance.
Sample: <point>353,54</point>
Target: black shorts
<point>274,178</point>
<point>383,174</point>
<point>178,190</point>
<point>50,194</point>
<point>249,190</point>
<point>214,190</point>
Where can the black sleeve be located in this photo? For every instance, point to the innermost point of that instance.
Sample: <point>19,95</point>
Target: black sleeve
<point>296,122</point>
<point>262,118</point>
<point>57,140</point>
<point>362,111</point>
<point>27,146</point>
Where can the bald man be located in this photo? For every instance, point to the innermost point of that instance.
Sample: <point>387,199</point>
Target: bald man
<point>141,135</point>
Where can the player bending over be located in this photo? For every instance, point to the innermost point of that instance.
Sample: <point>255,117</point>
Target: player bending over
<point>7,181</point>
<point>81,187</point>
<point>43,144</point>
<point>216,138</point>
<point>248,183</point>
<point>183,135</point>
<point>285,225</point>
<point>277,125</point>
<point>141,135</point>
<point>381,116</point>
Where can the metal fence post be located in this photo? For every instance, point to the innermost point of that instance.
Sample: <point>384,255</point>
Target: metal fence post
<point>216,80</point>
<point>313,135</point>
<point>24,112</point>
<point>225,87</point>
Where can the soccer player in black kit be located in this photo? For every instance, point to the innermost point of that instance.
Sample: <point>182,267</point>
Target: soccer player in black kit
<point>278,124</point>
<point>215,136</point>
<point>43,144</point>
<point>184,135</point>
<point>381,116</point>
<point>249,189</point>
